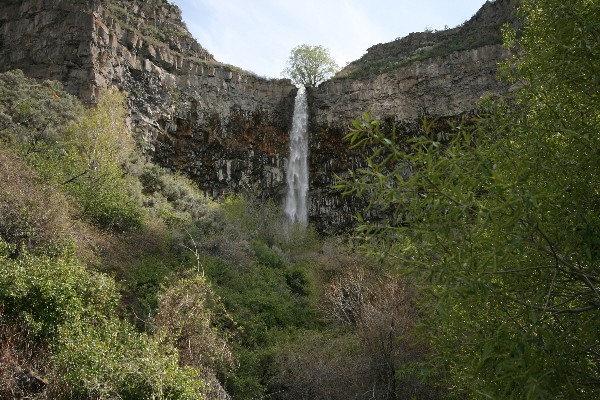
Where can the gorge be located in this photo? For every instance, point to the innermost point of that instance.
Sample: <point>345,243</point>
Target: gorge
<point>443,236</point>
<point>228,129</point>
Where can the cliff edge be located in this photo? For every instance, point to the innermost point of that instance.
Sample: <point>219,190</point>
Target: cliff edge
<point>227,128</point>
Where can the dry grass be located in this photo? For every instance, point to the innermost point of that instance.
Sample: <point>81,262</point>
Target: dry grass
<point>33,214</point>
<point>375,315</point>
<point>23,364</point>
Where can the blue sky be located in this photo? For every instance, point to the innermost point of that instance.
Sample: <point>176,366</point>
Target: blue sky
<point>258,35</point>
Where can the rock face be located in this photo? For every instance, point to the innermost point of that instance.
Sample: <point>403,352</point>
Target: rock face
<point>48,41</point>
<point>435,74</point>
<point>439,86</point>
<point>225,127</point>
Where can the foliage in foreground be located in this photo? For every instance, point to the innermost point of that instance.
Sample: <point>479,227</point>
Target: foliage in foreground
<point>63,193</point>
<point>94,354</point>
<point>499,220</point>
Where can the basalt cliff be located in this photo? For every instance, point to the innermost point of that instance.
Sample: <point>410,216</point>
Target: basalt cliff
<point>227,128</point>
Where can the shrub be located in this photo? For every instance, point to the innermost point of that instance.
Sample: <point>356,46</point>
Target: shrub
<point>380,310</point>
<point>33,215</point>
<point>94,354</point>
<point>321,366</point>
<point>264,301</point>
<point>113,361</point>
<point>176,199</point>
<point>81,149</point>
<point>45,293</point>
<point>193,318</point>
<point>146,277</point>
<point>267,256</point>
<point>90,166</point>
<point>193,315</point>
<point>500,223</point>
<point>259,219</point>
<point>32,113</point>
<point>300,240</point>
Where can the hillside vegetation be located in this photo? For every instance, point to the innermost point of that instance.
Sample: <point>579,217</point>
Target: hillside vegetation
<point>119,279</point>
<point>497,219</point>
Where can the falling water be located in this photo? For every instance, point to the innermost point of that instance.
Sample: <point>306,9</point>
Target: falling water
<point>297,171</point>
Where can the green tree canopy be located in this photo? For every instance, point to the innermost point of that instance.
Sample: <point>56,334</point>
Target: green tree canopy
<point>310,65</point>
<point>498,218</point>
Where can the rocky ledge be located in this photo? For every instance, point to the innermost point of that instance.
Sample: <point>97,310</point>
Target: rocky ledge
<point>227,128</point>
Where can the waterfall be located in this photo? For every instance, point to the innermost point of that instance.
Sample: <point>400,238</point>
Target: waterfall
<point>296,207</point>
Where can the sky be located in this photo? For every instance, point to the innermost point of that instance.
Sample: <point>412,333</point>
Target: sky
<point>258,35</point>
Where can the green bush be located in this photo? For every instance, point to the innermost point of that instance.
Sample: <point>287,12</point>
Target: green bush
<point>46,293</point>
<point>146,278</point>
<point>258,218</point>
<point>500,223</point>
<point>176,199</point>
<point>266,299</point>
<point>300,240</point>
<point>113,361</point>
<point>33,215</point>
<point>80,149</point>
<point>91,165</point>
<point>31,112</point>
<point>94,354</point>
<point>267,256</point>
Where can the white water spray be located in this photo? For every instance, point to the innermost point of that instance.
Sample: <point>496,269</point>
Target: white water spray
<point>296,207</point>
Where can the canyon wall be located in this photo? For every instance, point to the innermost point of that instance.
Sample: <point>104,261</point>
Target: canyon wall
<point>434,74</point>
<point>224,127</point>
<point>227,128</point>
<point>437,87</point>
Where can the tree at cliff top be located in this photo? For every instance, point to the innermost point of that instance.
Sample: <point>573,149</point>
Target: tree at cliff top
<point>500,220</point>
<point>309,65</point>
